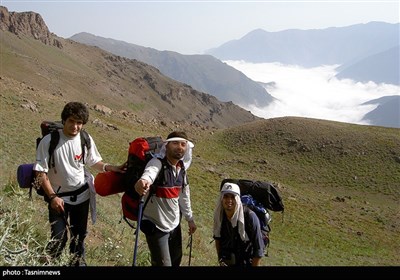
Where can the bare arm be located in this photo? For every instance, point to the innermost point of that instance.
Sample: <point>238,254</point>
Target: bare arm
<point>103,167</point>
<point>43,181</point>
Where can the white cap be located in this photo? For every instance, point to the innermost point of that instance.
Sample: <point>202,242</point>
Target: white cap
<point>231,188</point>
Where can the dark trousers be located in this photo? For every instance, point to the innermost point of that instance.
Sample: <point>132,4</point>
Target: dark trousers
<point>77,215</point>
<point>165,247</point>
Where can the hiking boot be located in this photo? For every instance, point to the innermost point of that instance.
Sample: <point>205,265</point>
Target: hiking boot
<point>77,262</point>
<point>82,262</point>
<point>45,259</point>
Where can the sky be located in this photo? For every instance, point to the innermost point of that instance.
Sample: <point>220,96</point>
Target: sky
<point>193,27</point>
<point>313,92</point>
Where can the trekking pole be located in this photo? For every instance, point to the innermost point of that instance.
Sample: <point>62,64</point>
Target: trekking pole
<point>141,202</point>
<point>190,247</point>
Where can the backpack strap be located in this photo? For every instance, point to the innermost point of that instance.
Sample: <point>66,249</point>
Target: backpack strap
<point>264,229</point>
<point>247,246</point>
<point>85,141</point>
<point>55,138</point>
<point>160,179</point>
<point>73,194</point>
<point>246,213</point>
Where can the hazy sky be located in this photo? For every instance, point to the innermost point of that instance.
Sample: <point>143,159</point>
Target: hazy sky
<point>313,92</point>
<point>191,27</point>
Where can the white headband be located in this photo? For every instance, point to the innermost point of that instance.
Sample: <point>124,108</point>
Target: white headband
<point>191,145</point>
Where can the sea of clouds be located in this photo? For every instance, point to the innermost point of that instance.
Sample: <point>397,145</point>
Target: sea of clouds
<point>312,92</point>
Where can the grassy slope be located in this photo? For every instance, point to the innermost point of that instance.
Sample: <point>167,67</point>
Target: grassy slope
<point>329,219</point>
<point>340,183</point>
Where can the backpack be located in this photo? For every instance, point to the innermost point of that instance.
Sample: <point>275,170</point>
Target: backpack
<point>264,192</point>
<point>259,197</point>
<point>25,173</point>
<point>141,151</point>
<point>263,216</point>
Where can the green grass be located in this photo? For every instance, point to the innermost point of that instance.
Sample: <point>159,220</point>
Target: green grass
<point>331,217</point>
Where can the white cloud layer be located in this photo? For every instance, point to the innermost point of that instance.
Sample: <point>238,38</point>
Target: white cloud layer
<point>313,92</point>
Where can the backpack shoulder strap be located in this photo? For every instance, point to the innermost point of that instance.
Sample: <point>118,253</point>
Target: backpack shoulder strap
<point>85,141</point>
<point>249,227</point>
<point>185,177</point>
<point>55,138</point>
<point>85,138</point>
<point>160,179</point>
<point>246,213</point>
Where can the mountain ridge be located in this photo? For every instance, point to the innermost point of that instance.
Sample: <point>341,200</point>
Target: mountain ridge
<point>71,70</point>
<point>203,72</point>
<point>373,68</point>
<point>311,48</point>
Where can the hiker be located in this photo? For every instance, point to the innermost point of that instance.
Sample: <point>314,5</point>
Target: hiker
<point>66,173</point>
<point>237,232</point>
<point>168,202</point>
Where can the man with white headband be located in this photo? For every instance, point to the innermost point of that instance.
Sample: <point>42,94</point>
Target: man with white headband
<point>237,231</point>
<point>169,200</point>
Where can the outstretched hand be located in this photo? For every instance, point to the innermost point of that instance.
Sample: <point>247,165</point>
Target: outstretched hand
<point>142,187</point>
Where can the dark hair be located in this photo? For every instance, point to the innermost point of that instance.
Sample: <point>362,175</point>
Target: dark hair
<point>180,134</point>
<point>76,110</point>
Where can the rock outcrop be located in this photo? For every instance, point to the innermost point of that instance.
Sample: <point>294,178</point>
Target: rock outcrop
<point>29,24</point>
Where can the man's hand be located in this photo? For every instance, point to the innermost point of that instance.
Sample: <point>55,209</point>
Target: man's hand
<point>142,187</point>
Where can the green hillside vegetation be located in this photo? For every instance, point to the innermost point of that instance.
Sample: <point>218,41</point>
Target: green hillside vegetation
<point>339,182</point>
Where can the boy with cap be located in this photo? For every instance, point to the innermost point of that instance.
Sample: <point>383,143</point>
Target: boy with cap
<point>237,231</point>
<point>169,200</point>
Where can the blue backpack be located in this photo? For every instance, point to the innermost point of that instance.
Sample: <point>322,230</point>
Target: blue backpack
<point>259,196</point>
<point>263,216</point>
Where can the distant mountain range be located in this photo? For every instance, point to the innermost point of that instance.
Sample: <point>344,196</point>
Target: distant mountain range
<point>203,72</point>
<point>379,68</point>
<point>365,52</point>
<point>358,48</point>
<point>387,113</point>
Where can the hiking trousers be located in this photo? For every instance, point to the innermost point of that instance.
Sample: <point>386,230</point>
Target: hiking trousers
<point>77,215</point>
<point>165,247</point>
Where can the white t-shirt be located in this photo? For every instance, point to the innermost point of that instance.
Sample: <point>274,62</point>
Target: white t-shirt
<point>68,173</point>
